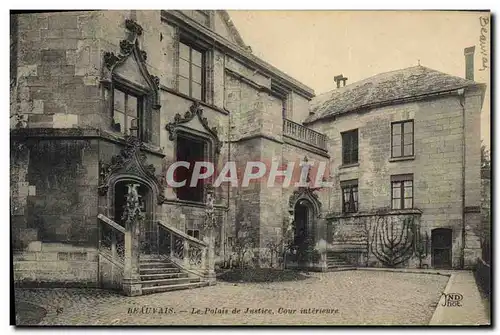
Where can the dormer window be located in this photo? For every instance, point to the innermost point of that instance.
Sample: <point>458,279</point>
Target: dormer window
<point>132,93</point>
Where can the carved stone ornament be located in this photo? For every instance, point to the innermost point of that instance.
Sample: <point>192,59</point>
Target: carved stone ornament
<point>156,80</point>
<point>130,161</point>
<point>133,27</point>
<point>130,47</point>
<point>126,47</point>
<point>132,209</point>
<point>194,111</point>
<point>306,193</point>
<point>210,221</point>
<point>110,59</point>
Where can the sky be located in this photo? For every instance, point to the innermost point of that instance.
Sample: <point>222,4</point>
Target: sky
<point>315,46</point>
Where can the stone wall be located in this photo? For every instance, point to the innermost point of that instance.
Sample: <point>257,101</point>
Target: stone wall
<point>299,108</point>
<point>484,230</point>
<point>58,61</point>
<point>54,225</point>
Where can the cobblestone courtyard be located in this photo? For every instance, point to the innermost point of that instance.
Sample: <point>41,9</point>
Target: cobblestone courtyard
<point>336,298</point>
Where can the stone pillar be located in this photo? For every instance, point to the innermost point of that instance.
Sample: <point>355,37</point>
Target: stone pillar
<point>133,216</point>
<point>210,263</point>
<point>209,225</point>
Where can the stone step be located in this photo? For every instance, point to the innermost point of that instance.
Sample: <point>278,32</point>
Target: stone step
<point>156,264</point>
<point>158,270</point>
<point>165,288</point>
<point>341,268</point>
<point>359,244</point>
<point>335,259</point>
<point>168,281</point>
<point>163,276</point>
<point>146,260</point>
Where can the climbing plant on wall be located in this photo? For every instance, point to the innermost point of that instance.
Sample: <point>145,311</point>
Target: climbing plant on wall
<point>393,240</point>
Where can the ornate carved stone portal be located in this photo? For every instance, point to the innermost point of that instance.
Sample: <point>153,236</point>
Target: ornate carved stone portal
<point>131,161</point>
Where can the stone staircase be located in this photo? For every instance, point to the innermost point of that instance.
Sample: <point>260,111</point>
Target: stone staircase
<point>336,261</point>
<point>161,275</point>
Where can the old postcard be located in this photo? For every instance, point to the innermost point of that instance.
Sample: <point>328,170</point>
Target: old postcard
<point>213,167</point>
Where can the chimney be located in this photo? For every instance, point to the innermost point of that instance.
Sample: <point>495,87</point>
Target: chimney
<point>340,78</point>
<point>469,62</point>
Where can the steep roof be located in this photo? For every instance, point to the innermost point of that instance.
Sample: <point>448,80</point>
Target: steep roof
<point>384,88</point>
<point>232,28</point>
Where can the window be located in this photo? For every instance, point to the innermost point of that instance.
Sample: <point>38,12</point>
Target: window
<point>349,196</point>
<point>350,147</point>
<point>194,233</point>
<point>402,191</point>
<point>190,149</point>
<point>127,112</point>
<point>191,75</point>
<point>402,139</point>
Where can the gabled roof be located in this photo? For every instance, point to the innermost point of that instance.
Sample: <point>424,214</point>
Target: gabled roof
<point>232,28</point>
<point>412,82</point>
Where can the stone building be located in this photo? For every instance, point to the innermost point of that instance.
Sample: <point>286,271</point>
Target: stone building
<point>408,145</point>
<point>103,102</point>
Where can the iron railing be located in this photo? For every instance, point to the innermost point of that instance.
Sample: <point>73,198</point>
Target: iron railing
<point>112,241</point>
<point>184,250</point>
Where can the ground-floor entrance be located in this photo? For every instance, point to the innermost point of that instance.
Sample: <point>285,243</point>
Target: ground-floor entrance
<point>441,248</point>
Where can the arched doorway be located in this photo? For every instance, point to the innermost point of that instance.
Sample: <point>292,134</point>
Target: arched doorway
<point>303,216</point>
<point>441,248</point>
<point>148,233</point>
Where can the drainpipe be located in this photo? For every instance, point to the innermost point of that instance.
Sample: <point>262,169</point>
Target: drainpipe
<point>461,96</point>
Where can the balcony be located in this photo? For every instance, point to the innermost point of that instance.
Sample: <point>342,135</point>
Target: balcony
<point>303,134</point>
